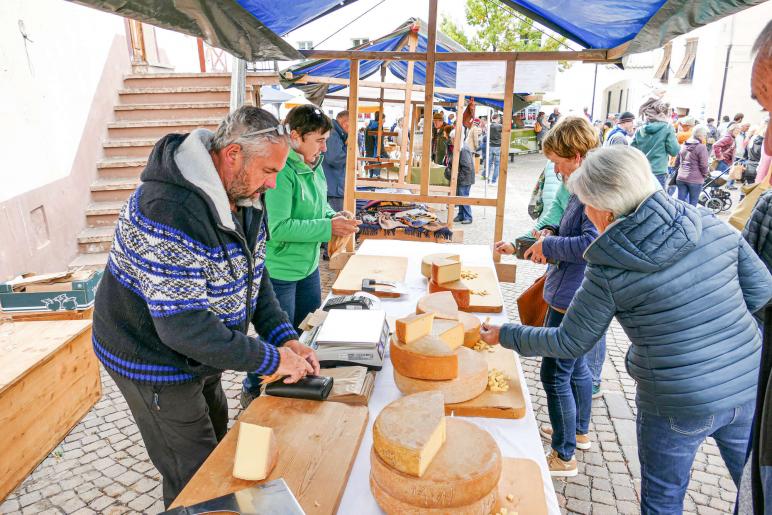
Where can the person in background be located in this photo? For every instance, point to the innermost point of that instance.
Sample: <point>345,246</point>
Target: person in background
<point>753,153</point>
<point>692,166</point>
<point>661,268</point>
<point>440,138</point>
<point>686,125</point>
<point>452,119</point>
<point>371,138</point>
<point>299,220</point>
<point>586,112</point>
<point>713,134</point>
<point>724,151</point>
<point>540,129</point>
<point>723,126</point>
<point>464,182</point>
<point>656,139</point>
<point>624,129</point>
<point>473,136</point>
<point>494,140</point>
<point>553,118</point>
<point>484,145</point>
<point>361,142</point>
<point>608,126</point>
<point>334,163</point>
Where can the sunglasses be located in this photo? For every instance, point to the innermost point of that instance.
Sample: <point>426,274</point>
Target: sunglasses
<point>281,130</point>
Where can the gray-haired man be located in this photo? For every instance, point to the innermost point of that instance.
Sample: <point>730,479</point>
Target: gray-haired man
<point>185,278</point>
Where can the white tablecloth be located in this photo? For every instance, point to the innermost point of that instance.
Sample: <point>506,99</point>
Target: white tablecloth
<point>516,438</point>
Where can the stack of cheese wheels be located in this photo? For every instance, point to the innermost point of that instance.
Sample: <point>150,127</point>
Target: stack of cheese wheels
<point>428,354</point>
<point>425,463</point>
<point>445,275</point>
<point>444,306</point>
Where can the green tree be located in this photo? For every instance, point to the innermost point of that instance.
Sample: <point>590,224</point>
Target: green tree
<point>497,29</point>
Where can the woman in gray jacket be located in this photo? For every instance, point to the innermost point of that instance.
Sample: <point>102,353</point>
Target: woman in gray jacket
<point>683,285</point>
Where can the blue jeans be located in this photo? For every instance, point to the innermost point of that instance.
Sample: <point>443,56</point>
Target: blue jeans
<point>297,299</point>
<point>667,446</point>
<point>464,212</point>
<point>595,358</point>
<point>568,385</point>
<point>662,178</point>
<point>689,192</point>
<point>494,164</point>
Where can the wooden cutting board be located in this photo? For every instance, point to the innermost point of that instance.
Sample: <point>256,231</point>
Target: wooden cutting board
<point>509,404</point>
<point>487,281</point>
<point>388,268</point>
<point>521,479</point>
<point>318,442</point>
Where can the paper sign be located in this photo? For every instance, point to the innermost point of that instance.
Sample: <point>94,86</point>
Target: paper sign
<point>487,77</point>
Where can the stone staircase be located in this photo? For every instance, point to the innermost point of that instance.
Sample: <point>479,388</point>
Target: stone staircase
<point>148,107</point>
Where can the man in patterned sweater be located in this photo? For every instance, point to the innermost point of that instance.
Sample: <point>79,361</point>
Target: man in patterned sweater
<point>185,278</point>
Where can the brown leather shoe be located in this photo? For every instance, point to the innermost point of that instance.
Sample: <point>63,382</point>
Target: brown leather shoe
<point>583,442</point>
<point>560,468</point>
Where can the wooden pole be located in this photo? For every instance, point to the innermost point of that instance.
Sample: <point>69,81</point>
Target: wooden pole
<point>380,114</point>
<point>457,143</point>
<point>201,56</point>
<point>403,169</point>
<point>413,125</point>
<point>431,48</point>
<point>349,193</point>
<point>506,130</point>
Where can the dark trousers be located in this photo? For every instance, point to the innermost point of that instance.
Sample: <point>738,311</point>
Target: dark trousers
<point>688,192</point>
<point>180,424</point>
<point>464,212</point>
<point>336,203</point>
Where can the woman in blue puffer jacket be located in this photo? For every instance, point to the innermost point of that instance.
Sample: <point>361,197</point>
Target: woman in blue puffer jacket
<point>684,286</point>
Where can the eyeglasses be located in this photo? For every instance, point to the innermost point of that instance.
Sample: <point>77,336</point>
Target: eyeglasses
<point>281,130</point>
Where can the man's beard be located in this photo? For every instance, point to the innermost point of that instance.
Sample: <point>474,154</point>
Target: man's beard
<point>238,192</point>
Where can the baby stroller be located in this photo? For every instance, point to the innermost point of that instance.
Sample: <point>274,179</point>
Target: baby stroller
<point>713,196</point>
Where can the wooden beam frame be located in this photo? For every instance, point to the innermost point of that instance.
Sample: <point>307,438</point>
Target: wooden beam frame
<point>404,166</point>
<point>506,131</point>
<point>431,49</point>
<point>457,143</point>
<point>352,152</point>
<point>594,55</point>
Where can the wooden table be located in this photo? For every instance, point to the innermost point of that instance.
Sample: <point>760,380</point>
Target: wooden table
<point>49,379</point>
<point>318,442</point>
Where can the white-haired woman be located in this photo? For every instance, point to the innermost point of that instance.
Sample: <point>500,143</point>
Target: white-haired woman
<point>692,166</point>
<point>683,285</point>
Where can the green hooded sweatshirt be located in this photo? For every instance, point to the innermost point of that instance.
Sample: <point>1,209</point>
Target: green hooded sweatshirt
<point>298,220</point>
<point>658,141</point>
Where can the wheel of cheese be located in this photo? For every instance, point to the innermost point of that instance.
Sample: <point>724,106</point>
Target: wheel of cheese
<point>460,291</point>
<point>465,470</point>
<point>471,328</point>
<point>392,506</point>
<point>428,261</point>
<point>472,379</point>
<point>426,358</point>
<point>442,304</point>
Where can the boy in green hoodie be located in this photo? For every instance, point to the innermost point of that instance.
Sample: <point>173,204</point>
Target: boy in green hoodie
<point>299,220</point>
<point>657,139</point>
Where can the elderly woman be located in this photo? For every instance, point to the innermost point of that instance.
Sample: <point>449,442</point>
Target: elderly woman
<point>683,285</point>
<point>692,166</point>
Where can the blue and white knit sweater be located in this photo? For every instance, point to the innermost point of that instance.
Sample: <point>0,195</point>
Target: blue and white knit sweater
<point>186,276</point>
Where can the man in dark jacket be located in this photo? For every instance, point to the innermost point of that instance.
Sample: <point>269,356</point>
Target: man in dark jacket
<point>334,164</point>
<point>464,183</point>
<point>185,278</point>
<point>494,140</point>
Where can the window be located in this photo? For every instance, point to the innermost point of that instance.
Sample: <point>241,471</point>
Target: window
<point>685,72</point>
<point>355,42</point>
<point>305,45</point>
<point>663,71</point>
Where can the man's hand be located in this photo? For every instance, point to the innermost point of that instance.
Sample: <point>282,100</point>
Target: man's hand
<point>343,227</point>
<point>543,232</point>
<point>305,352</point>
<point>534,253</point>
<point>504,247</point>
<point>348,215</point>
<point>490,334</point>
<point>293,366</point>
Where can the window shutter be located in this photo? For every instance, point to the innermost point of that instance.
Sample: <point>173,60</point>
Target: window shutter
<point>686,64</point>
<point>663,65</point>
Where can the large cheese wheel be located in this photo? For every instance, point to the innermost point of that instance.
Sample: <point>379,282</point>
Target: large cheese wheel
<point>465,470</point>
<point>426,358</point>
<point>392,506</point>
<point>409,432</point>
<point>460,291</point>
<point>472,379</point>
<point>442,304</point>
<point>427,261</point>
<point>471,328</point>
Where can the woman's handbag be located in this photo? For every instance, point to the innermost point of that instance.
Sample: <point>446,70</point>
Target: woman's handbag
<point>536,203</point>
<point>531,304</point>
<point>742,213</point>
<point>736,173</point>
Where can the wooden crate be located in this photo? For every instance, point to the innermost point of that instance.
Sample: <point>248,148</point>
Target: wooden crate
<point>49,379</point>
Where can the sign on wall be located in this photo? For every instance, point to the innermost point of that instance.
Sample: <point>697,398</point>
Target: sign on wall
<point>487,77</point>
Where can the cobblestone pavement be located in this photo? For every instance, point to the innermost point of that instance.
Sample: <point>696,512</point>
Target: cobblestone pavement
<point>102,466</point>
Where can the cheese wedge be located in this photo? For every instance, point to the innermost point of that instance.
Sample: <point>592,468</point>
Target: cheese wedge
<point>426,358</point>
<point>427,261</point>
<point>465,470</point>
<point>410,431</point>
<point>460,291</point>
<point>471,328</point>
<point>441,304</point>
<point>256,452</point>
<point>450,332</point>
<point>413,327</point>
<point>472,379</point>
<point>446,271</point>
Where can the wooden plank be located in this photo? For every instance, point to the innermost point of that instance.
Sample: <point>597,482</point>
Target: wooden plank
<point>44,402</point>
<point>386,268</point>
<point>594,55</point>
<point>506,130</point>
<point>509,404</point>
<point>457,143</point>
<point>506,272</point>
<point>431,50</point>
<point>521,480</point>
<point>430,199</point>
<point>379,134</point>
<point>318,442</point>
<point>349,191</point>
<point>413,125</point>
<point>364,55</point>
<point>485,280</point>
<point>403,168</point>
<point>32,316</point>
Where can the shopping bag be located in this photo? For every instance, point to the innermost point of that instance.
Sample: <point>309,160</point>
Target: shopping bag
<point>742,213</point>
<point>736,172</point>
<point>531,304</point>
